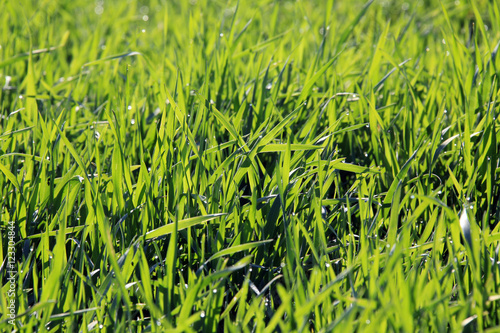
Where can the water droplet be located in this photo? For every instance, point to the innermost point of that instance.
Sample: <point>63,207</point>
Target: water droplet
<point>327,264</point>
<point>20,96</point>
<point>145,18</point>
<point>269,86</point>
<point>412,196</point>
<point>101,326</point>
<point>132,121</point>
<point>97,135</point>
<point>143,30</point>
<point>214,291</point>
<point>129,107</point>
<point>202,314</point>
<point>221,35</point>
<point>186,286</point>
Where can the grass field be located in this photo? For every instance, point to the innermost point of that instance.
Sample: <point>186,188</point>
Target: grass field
<point>252,166</point>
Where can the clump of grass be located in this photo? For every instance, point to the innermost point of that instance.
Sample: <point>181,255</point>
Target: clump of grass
<point>263,166</point>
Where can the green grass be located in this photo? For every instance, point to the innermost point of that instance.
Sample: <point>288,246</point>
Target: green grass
<point>251,166</point>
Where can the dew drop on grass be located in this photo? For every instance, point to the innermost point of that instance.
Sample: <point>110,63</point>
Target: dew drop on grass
<point>221,35</point>
<point>186,286</point>
<point>202,314</point>
<point>20,96</point>
<point>412,196</point>
<point>143,31</point>
<point>327,264</point>
<point>269,86</point>
<point>132,121</point>
<point>129,107</point>
<point>101,326</point>
<point>214,291</point>
<point>145,18</point>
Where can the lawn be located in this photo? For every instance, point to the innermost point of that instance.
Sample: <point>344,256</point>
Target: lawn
<point>250,166</point>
